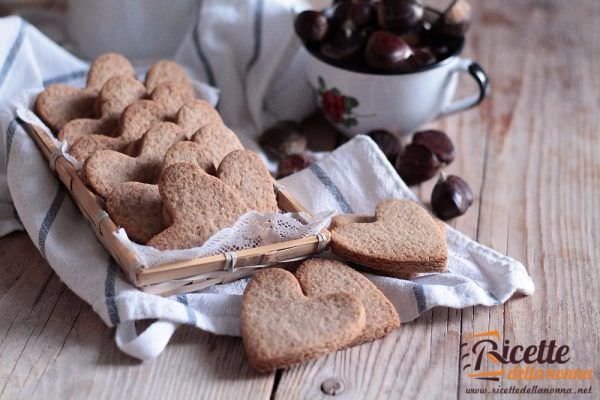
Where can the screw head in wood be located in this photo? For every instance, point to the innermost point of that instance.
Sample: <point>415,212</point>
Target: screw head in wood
<point>332,386</point>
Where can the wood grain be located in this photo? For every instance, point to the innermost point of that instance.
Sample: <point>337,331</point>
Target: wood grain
<point>530,153</point>
<point>52,345</point>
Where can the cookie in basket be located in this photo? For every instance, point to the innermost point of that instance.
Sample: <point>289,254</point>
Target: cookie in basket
<point>244,171</point>
<point>401,239</point>
<point>196,114</point>
<point>217,141</point>
<point>198,206</point>
<point>137,208</point>
<point>168,85</point>
<point>172,96</point>
<point>58,103</point>
<point>137,118</point>
<point>106,66</point>
<point>116,94</point>
<point>190,152</point>
<point>165,71</point>
<point>281,326</point>
<point>107,169</point>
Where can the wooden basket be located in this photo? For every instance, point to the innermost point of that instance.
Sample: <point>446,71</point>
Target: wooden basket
<point>180,276</point>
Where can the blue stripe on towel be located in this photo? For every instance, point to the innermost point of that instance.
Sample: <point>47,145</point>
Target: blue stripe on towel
<point>50,217</point>
<point>191,313</point>
<point>66,77</point>
<point>12,53</point>
<point>331,187</point>
<point>10,134</point>
<point>109,292</point>
<point>419,293</point>
<point>210,76</point>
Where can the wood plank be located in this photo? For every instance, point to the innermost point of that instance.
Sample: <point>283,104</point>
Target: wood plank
<point>52,345</point>
<point>195,365</point>
<point>499,188</point>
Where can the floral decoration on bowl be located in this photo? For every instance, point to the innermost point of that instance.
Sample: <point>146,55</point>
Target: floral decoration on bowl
<point>336,106</point>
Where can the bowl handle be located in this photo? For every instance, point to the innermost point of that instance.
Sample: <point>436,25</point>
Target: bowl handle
<point>478,74</point>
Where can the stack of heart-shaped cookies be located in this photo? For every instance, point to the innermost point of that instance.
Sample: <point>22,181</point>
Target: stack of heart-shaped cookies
<point>325,306</point>
<point>171,173</point>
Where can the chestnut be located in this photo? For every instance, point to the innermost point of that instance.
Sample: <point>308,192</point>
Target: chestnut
<point>388,142</point>
<point>423,57</point>
<point>311,26</point>
<point>413,39</point>
<point>451,197</point>
<point>399,16</point>
<point>416,164</point>
<point>386,51</point>
<point>283,138</point>
<point>438,142</point>
<point>343,46</point>
<point>441,51</point>
<point>291,164</point>
<point>352,14</point>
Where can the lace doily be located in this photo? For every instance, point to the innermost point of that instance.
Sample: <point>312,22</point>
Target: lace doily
<point>251,230</point>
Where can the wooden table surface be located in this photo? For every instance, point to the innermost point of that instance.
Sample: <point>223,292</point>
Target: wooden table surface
<point>531,154</point>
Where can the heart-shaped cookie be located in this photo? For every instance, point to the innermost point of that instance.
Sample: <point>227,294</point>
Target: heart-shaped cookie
<point>137,208</point>
<point>58,104</point>
<point>136,119</point>
<point>198,206</point>
<point>404,238</point>
<point>189,152</point>
<point>281,326</point>
<point>106,169</point>
<point>165,71</point>
<point>217,140</point>
<point>244,171</point>
<point>345,219</point>
<point>105,67</point>
<point>116,94</point>
<point>195,114</point>
<point>172,96</point>
<point>319,277</point>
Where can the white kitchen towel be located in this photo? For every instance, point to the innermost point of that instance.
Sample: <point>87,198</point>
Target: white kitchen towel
<point>355,178</point>
<point>248,49</point>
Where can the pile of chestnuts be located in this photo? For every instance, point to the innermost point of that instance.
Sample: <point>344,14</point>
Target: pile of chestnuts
<point>384,36</point>
<point>422,159</point>
<point>426,156</point>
